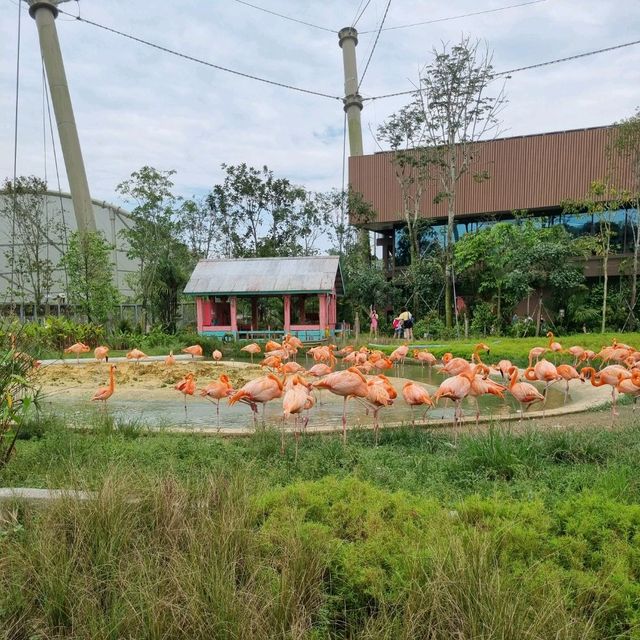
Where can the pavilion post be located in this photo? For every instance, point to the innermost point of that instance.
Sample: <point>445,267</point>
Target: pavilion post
<point>287,313</point>
<point>322,303</point>
<point>233,307</point>
<point>200,313</point>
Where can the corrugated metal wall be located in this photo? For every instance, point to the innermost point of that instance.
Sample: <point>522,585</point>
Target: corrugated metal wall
<point>527,172</point>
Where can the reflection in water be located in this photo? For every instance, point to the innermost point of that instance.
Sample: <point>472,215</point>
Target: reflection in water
<point>201,413</point>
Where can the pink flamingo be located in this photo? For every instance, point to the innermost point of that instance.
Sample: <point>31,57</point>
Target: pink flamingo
<point>215,391</point>
<point>611,375</point>
<point>380,393</point>
<point>170,360</point>
<point>217,355</point>
<point>294,402</point>
<point>187,387</point>
<point>567,373</point>
<point>136,354</point>
<point>457,389</point>
<point>101,353</point>
<point>258,391</point>
<point>193,350</point>
<point>415,396</point>
<point>104,393</point>
<point>252,349</point>
<point>77,348</point>
<point>526,394</point>
<point>349,383</point>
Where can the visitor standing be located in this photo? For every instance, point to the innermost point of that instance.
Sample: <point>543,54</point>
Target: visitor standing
<point>397,328</point>
<point>373,317</point>
<point>407,323</point>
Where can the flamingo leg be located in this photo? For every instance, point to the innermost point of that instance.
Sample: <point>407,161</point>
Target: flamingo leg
<point>282,436</point>
<point>566,392</point>
<point>185,405</point>
<point>344,421</point>
<point>477,412</point>
<point>264,409</point>
<point>413,417</point>
<point>614,397</point>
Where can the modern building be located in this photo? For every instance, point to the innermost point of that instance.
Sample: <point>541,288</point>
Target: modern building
<point>536,173</point>
<point>267,297</point>
<point>57,211</point>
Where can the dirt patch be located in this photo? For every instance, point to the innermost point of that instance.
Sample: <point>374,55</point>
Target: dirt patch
<point>131,377</point>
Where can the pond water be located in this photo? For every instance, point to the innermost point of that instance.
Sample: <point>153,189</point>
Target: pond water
<point>168,410</point>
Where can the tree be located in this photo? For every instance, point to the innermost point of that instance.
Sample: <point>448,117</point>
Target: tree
<point>626,144</point>
<point>455,112</point>
<point>602,201</point>
<point>90,272</point>
<point>155,241</point>
<point>32,230</point>
<point>258,214</point>
<point>405,134</point>
<point>511,261</point>
<point>198,224</point>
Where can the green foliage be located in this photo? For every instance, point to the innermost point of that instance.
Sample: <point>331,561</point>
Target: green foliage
<point>155,241</point>
<point>24,211</point>
<point>258,214</point>
<point>90,271</point>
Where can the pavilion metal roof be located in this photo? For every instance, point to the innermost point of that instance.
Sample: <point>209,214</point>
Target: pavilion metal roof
<point>266,276</point>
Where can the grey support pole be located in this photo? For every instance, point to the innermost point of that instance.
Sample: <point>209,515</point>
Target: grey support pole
<point>348,39</point>
<point>44,12</point>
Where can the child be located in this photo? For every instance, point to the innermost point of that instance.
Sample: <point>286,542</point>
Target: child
<point>397,328</point>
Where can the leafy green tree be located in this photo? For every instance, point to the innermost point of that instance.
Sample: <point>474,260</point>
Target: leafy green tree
<point>602,201</point>
<point>259,214</point>
<point>456,112</point>
<point>32,230</point>
<point>508,262</point>
<point>198,224</point>
<point>405,134</point>
<point>155,240</point>
<point>626,144</point>
<point>90,272</point>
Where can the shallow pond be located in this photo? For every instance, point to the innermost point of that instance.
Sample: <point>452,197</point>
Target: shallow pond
<point>167,409</point>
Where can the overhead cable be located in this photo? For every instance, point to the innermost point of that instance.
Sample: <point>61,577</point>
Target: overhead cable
<point>200,61</point>
<point>531,66</point>
<point>285,17</point>
<point>462,15</point>
<point>375,42</point>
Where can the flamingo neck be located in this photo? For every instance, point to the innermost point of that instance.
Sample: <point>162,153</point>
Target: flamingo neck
<point>514,378</point>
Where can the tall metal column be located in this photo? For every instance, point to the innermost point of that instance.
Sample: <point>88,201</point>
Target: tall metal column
<point>44,12</point>
<point>348,39</point>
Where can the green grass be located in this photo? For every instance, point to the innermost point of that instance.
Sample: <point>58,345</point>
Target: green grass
<point>497,535</point>
<point>517,349</point>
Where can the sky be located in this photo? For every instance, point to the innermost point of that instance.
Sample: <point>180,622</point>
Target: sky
<point>137,106</point>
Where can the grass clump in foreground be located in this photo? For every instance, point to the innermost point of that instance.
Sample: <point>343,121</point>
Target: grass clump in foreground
<point>509,535</point>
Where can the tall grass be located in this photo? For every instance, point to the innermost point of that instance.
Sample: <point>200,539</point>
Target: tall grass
<point>222,558</point>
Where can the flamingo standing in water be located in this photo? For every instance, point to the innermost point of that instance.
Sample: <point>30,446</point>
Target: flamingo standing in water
<point>101,353</point>
<point>136,354</point>
<point>170,359</point>
<point>611,375</point>
<point>217,390</point>
<point>193,350</point>
<point>349,383</point>
<point>77,348</point>
<point>252,349</point>
<point>525,393</point>
<point>415,396</point>
<point>567,373</point>
<point>630,386</point>
<point>482,385</point>
<point>258,391</point>
<point>424,357</point>
<point>104,393</point>
<point>503,367</point>
<point>399,354</point>
<point>544,371</point>
<point>294,402</point>
<point>380,394</point>
<point>186,386</point>
<point>457,389</point>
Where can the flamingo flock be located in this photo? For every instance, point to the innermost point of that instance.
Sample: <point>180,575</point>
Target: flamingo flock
<point>362,378</point>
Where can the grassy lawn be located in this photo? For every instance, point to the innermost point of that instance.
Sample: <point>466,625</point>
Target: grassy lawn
<point>517,349</point>
<point>500,535</point>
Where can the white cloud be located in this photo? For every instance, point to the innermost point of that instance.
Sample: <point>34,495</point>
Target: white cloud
<point>135,105</point>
